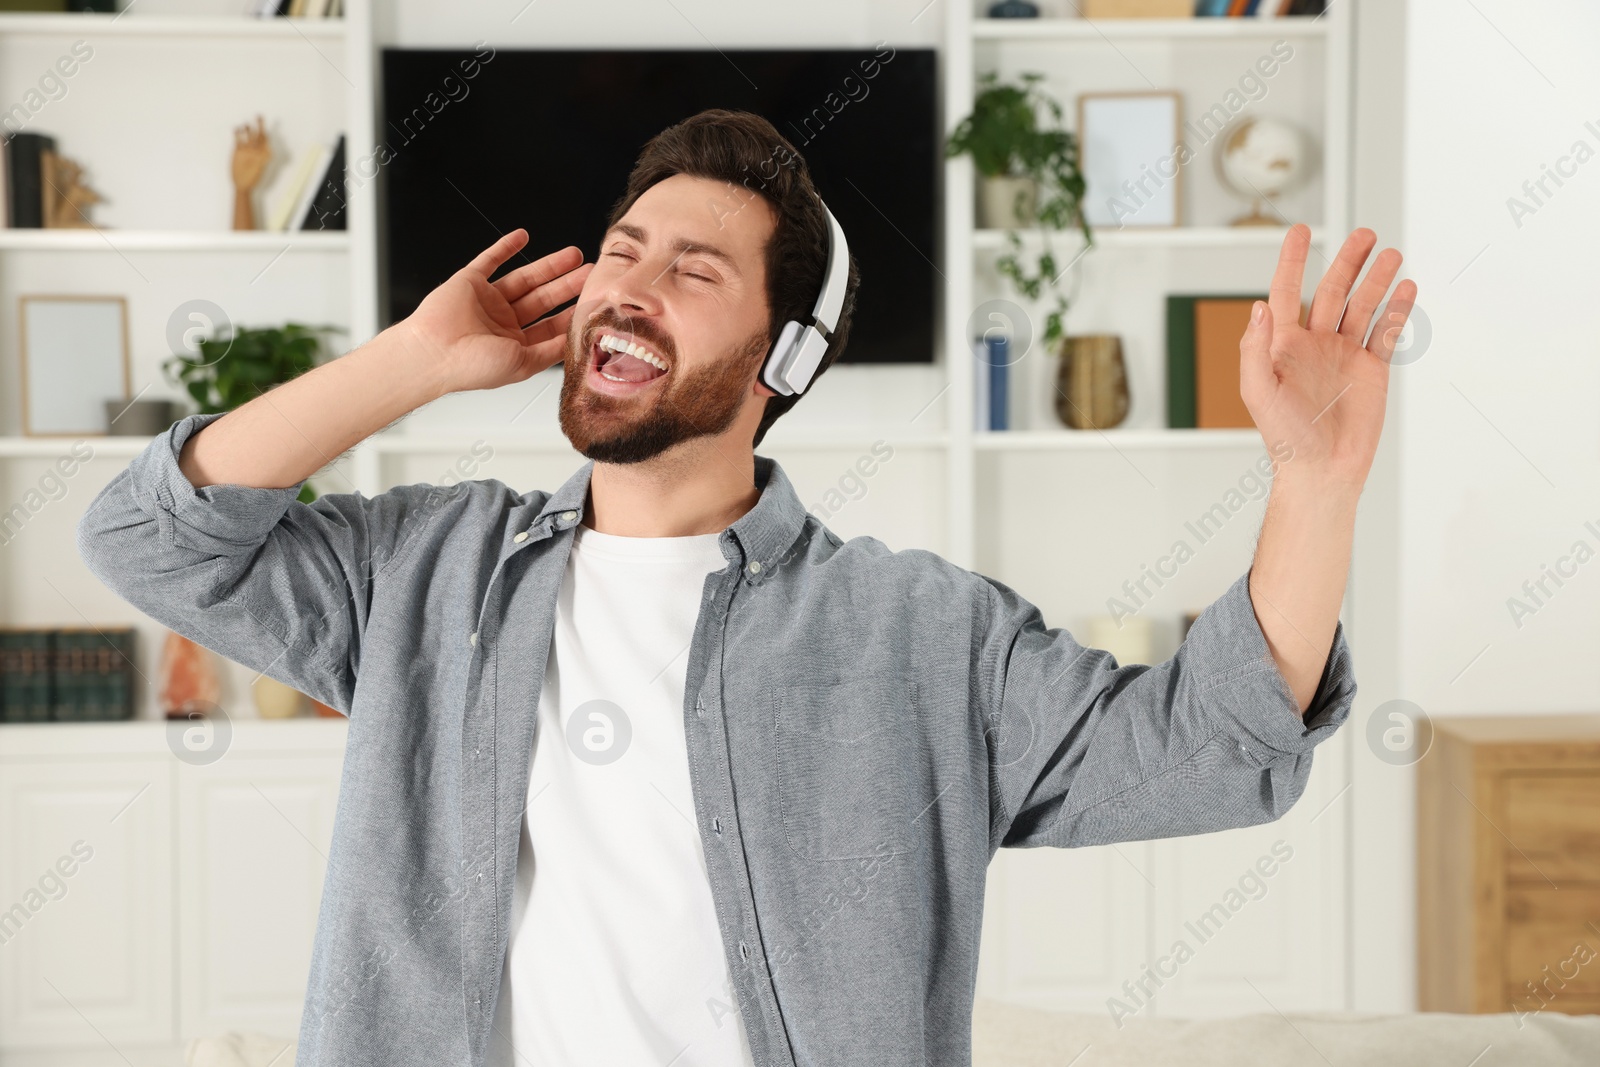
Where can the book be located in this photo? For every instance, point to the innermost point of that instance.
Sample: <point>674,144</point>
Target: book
<point>980,384</point>
<point>999,381</point>
<point>24,169</point>
<point>326,210</point>
<point>1218,326</point>
<point>298,189</point>
<point>302,207</point>
<point>24,675</point>
<point>1180,362</point>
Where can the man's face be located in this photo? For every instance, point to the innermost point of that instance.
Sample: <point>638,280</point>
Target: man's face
<point>671,325</point>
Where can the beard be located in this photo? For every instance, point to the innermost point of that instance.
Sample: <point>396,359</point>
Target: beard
<point>616,429</point>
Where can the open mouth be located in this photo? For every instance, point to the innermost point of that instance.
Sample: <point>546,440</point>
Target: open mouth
<point>625,361</point>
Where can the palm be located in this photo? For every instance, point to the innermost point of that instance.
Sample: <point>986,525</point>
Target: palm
<point>1321,388</point>
<point>474,326</point>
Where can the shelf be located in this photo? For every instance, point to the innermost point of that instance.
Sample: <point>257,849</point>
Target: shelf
<point>1076,440</point>
<point>1176,237</point>
<point>1210,29</point>
<point>52,447</point>
<point>134,25</point>
<point>104,240</point>
<point>427,443</point>
<point>813,439</point>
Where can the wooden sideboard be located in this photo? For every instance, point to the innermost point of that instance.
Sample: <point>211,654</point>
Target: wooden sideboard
<point>1508,871</point>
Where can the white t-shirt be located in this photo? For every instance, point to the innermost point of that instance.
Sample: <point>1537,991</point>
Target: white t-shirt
<point>615,955</point>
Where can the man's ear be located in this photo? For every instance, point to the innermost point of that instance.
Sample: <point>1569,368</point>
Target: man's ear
<point>763,389</point>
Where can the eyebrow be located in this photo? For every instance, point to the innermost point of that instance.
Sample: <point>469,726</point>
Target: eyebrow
<point>682,246</point>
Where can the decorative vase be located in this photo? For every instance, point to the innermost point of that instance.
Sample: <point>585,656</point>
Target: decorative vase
<point>275,700</point>
<point>187,679</point>
<point>1092,382</point>
<point>1007,203</point>
<point>139,418</point>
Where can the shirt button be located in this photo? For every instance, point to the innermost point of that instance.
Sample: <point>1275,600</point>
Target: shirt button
<point>569,515</point>
<point>744,951</point>
<point>521,537</point>
<point>700,709</point>
<point>473,639</point>
<point>755,568</point>
<point>716,826</point>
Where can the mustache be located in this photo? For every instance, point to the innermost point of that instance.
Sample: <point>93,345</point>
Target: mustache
<point>638,329</point>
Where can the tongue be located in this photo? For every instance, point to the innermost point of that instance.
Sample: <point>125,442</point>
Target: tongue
<point>629,368</point>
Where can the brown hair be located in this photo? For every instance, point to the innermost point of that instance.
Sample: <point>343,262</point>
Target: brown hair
<point>745,149</point>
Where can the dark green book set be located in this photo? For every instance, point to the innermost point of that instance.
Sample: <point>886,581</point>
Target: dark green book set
<point>66,675</point>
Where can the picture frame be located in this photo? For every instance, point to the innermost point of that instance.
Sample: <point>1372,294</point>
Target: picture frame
<point>74,357</point>
<point>1127,142</point>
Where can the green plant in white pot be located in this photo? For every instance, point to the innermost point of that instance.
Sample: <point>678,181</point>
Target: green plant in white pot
<point>1029,177</point>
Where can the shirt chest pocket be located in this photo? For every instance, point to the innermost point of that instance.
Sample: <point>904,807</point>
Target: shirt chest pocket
<point>848,762</point>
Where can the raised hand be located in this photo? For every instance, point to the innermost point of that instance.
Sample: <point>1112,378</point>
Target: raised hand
<point>1321,388</point>
<point>472,330</point>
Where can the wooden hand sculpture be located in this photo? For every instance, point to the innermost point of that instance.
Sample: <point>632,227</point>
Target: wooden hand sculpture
<point>250,157</point>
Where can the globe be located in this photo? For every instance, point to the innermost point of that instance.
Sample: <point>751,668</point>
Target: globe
<point>1262,159</point>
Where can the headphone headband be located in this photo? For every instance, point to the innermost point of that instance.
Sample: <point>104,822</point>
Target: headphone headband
<point>794,358</point>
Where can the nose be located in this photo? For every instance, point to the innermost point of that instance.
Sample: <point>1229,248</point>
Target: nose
<point>634,291</point>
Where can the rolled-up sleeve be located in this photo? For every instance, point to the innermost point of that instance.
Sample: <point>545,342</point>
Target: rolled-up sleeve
<point>1086,751</point>
<point>254,574</point>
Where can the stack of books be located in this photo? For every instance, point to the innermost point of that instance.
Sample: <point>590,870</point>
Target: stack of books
<point>313,199</point>
<point>296,9</point>
<point>66,675</point>
<point>1250,9</point>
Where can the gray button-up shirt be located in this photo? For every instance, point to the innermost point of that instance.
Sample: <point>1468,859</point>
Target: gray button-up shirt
<point>864,727</point>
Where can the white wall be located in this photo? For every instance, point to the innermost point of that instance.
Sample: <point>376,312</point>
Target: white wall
<point>1499,471</point>
<point>1487,472</point>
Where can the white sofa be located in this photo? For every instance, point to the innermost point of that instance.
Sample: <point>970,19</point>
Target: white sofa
<point>1005,1035</point>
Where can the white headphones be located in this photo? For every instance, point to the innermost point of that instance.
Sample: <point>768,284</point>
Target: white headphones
<point>800,347</point>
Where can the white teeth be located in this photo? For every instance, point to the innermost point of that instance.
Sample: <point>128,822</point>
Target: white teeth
<point>614,343</point>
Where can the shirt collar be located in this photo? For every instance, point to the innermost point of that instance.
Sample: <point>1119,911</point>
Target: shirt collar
<point>764,532</point>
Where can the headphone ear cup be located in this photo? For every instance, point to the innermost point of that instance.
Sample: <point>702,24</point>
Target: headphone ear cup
<point>776,368</point>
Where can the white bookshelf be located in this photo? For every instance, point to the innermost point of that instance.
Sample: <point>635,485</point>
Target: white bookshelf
<point>1082,29</point>
<point>102,240</point>
<point>1071,52</point>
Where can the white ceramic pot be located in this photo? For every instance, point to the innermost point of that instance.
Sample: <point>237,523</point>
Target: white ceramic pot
<point>999,200</point>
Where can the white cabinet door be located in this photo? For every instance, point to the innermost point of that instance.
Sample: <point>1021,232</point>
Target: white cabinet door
<point>86,951</point>
<point>1064,927</point>
<point>253,831</point>
<point>1262,909</point>
<point>1242,921</point>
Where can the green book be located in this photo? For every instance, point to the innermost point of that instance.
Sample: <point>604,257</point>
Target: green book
<point>1180,361</point>
<point>35,672</point>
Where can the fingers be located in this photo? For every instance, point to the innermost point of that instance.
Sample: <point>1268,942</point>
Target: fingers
<point>1358,313</point>
<point>552,294</point>
<point>546,341</point>
<point>1327,304</point>
<point>524,280</point>
<point>551,326</point>
<point>1256,376</point>
<point>489,260</point>
<point>1393,321</point>
<point>1284,297</point>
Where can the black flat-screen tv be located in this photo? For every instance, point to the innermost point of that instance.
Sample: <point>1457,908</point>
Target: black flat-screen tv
<point>474,143</point>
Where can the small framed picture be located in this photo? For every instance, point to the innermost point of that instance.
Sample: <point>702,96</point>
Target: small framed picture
<point>74,358</point>
<point>1130,152</point>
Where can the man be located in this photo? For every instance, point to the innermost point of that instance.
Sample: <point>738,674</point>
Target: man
<point>656,769</point>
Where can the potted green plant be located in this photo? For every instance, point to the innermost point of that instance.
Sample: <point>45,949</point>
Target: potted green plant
<point>241,363</point>
<point>1030,178</point>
